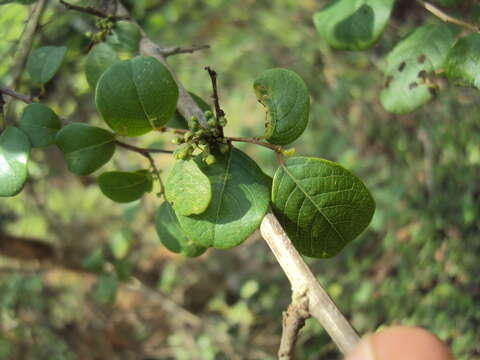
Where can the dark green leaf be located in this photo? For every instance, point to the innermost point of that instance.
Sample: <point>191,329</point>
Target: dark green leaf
<point>125,36</point>
<point>123,186</point>
<point>99,59</point>
<point>171,234</point>
<point>43,63</point>
<point>240,199</point>
<point>286,98</point>
<point>106,289</point>
<point>123,269</point>
<point>188,188</point>
<point>321,205</point>
<point>14,154</point>
<point>462,64</point>
<point>136,96</point>
<point>86,148</point>
<point>353,25</point>
<point>410,65</point>
<point>94,262</point>
<point>40,124</point>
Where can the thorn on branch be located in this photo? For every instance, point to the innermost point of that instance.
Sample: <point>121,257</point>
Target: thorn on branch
<point>92,11</point>
<point>166,52</point>
<point>293,321</point>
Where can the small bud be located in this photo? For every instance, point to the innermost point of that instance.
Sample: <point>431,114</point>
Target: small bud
<point>222,121</point>
<point>224,148</point>
<point>208,114</point>
<point>212,123</point>
<point>289,152</point>
<point>200,133</point>
<point>194,119</point>
<point>177,140</point>
<point>194,126</point>
<point>210,160</point>
<point>188,136</point>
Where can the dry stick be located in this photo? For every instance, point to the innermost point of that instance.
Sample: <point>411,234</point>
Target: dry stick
<point>445,17</point>
<point>166,52</point>
<point>320,305</point>
<point>92,11</point>
<point>26,99</point>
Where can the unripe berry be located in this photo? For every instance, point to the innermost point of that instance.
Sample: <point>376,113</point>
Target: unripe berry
<point>200,133</point>
<point>224,148</point>
<point>222,121</point>
<point>289,152</point>
<point>177,140</point>
<point>212,123</point>
<point>210,160</point>
<point>208,114</point>
<point>188,136</point>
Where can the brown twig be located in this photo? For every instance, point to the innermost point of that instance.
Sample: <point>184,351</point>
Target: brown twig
<point>92,11</point>
<point>26,99</point>
<point>445,17</point>
<point>256,142</point>
<point>142,151</point>
<point>216,100</point>
<point>166,52</point>
<point>293,321</point>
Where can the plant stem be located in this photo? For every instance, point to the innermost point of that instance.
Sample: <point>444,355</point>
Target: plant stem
<point>166,52</point>
<point>445,17</point>
<point>142,151</point>
<point>256,142</point>
<point>92,11</point>
<point>26,99</point>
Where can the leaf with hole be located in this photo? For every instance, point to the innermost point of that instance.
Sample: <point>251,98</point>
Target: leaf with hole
<point>410,67</point>
<point>125,36</point>
<point>187,188</point>
<point>136,96</point>
<point>462,64</point>
<point>321,205</point>
<point>286,98</point>
<point>14,155</point>
<point>353,24</point>
<point>123,187</point>
<point>99,59</point>
<point>240,199</point>
<point>171,234</point>
<point>40,124</point>
<point>85,148</point>
<point>43,63</point>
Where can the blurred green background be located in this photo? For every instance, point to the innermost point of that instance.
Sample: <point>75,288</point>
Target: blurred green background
<point>110,290</point>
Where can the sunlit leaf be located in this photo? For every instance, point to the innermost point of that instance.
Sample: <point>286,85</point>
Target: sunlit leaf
<point>462,64</point>
<point>321,205</point>
<point>86,148</point>
<point>135,96</point>
<point>240,199</point>
<point>43,63</point>
<point>353,24</point>
<point>286,98</point>
<point>40,124</point>
<point>14,154</point>
<point>410,65</point>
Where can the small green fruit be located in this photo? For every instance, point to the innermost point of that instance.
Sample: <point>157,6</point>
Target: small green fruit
<point>224,148</point>
<point>188,136</point>
<point>177,140</point>
<point>289,152</point>
<point>212,123</point>
<point>222,121</point>
<point>210,160</point>
<point>208,114</point>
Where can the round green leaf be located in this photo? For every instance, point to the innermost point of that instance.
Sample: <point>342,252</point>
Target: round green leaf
<point>123,186</point>
<point>171,234</point>
<point>462,64</point>
<point>240,199</point>
<point>86,148</point>
<point>125,36</point>
<point>137,95</point>
<point>353,24</point>
<point>43,63</point>
<point>410,66</point>
<point>40,124</point>
<point>99,59</point>
<point>187,188</point>
<point>286,98</point>
<point>321,205</point>
<point>14,154</point>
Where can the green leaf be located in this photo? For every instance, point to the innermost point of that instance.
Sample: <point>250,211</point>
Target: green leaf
<point>187,188</point>
<point>353,24</point>
<point>106,289</point>
<point>286,98</point>
<point>86,148</point>
<point>171,234</point>
<point>125,36</point>
<point>135,96</point>
<point>23,2</point>
<point>99,59</point>
<point>40,124</point>
<point>95,261</point>
<point>120,244</point>
<point>14,154</point>
<point>123,186</point>
<point>321,205</point>
<point>179,122</point>
<point>43,63</point>
<point>240,199</point>
<point>410,65</point>
<point>462,64</point>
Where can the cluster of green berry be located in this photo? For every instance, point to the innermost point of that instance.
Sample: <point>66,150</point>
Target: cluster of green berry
<point>203,142</point>
<point>104,26</point>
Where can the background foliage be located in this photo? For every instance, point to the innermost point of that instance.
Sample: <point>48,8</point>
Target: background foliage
<point>416,264</point>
